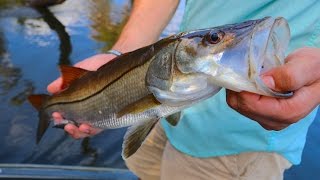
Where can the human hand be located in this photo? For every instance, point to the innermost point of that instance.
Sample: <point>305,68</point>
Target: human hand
<point>300,74</point>
<point>83,130</point>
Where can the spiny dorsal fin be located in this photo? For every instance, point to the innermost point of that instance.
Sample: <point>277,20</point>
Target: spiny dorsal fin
<point>70,73</point>
<point>37,100</point>
<point>139,106</point>
<point>135,136</point>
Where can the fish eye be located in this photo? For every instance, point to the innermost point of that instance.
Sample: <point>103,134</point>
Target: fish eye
<point>214,37</point>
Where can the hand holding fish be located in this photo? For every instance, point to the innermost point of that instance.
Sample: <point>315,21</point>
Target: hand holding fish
<point>83,130</point>
<point>300,74</point>
<point>159,80</point>
<point>133,36</point>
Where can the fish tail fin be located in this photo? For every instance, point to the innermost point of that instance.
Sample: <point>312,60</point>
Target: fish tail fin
<point>37,101</point>
<point>44,121</point>
<point>135,136</point>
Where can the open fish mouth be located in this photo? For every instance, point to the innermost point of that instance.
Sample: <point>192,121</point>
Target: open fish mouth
<point>259,46</point>
<point>272,36</point>
<point>232,56</point>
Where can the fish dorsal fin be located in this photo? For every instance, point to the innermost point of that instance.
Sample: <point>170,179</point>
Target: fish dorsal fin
<point>139,106</point>
<point>135,136</point>
<point>37,100</point>
<point>70,73</point>
<point>173,119</point>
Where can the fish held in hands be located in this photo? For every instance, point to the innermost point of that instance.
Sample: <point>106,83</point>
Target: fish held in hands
<point>159,80</point>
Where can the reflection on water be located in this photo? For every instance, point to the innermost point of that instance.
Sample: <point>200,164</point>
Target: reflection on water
<point>107,21</point>
<point>33,41</point>
<point>10,77</point>
<point>58,27</point>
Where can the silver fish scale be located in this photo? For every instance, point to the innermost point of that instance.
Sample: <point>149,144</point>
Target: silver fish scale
<point>130,119</point>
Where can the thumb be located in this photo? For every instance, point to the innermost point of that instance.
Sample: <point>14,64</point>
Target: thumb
<point>286,78</point>
<point>269,81</point>
<point>291,76</point>
<point>281,79</point>
<point>55,86</point>
<point>301,69</point>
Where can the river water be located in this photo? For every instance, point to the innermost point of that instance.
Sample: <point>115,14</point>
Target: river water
<point>33,42</point>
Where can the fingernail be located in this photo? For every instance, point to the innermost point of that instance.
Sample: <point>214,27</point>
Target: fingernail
<point>269,81</point>
<point>87,131</point>
<point>71,132</point>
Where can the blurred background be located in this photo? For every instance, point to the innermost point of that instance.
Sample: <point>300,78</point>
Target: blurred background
<point>34,40</point>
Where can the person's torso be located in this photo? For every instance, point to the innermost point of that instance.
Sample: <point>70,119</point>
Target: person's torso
<point>211,128</point>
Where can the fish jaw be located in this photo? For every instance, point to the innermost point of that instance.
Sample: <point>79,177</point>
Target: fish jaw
<point>272,53</point>
<point>262,49</point>
<point>246,51</point>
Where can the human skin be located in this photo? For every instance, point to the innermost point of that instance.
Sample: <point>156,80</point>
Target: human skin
<point>300,73</point>
<point>147,21</point>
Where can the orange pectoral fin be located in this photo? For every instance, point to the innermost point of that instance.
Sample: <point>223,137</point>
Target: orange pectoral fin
<point>70,73</point>
<point>37,100</point>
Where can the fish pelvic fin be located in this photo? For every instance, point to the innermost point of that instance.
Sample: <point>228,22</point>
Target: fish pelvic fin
<point>71,73</point>
<point>173,119</point>
<point>139,106</point>
<point>37,100</point>
<point>135,136</point>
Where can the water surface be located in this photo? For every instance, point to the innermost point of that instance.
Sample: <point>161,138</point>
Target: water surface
<point>33,42</point>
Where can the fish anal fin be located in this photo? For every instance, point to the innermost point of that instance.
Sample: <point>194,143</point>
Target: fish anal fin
<point>139,106</point>
<point>71,73</point>
<point>37,100</point>
<point>135,136</point>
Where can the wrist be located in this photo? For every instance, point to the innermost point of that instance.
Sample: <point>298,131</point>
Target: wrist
<point>130,41</point>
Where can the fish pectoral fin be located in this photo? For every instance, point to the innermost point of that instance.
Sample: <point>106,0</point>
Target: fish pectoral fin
<point>135,136</point>
<point>71,73</point>
<point>173,119</point>
<point>37,100</point>
<point>139,106</point>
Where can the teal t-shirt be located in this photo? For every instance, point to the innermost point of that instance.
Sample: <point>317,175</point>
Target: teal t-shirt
<point>211,128</point>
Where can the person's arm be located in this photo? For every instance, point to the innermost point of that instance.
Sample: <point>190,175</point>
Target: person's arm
<point>147,21</point>
<point>300,74</point>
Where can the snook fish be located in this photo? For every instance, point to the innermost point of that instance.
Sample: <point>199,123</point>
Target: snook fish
<point>139,87</point>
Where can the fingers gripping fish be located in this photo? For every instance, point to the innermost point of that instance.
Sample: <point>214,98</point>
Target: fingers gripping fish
<point>159,80</point>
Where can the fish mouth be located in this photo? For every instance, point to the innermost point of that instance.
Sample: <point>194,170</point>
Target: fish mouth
<point>258,46</point>
<point>269,41</point>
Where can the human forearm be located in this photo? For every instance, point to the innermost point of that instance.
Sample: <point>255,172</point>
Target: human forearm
<point>147,20</point>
